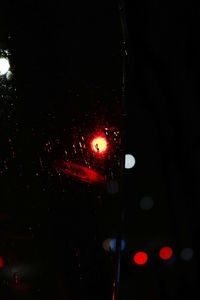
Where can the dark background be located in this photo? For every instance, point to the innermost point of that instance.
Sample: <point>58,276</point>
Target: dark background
<point>67,65</point>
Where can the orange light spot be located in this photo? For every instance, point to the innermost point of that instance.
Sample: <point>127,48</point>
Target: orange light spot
<point>99,145</point>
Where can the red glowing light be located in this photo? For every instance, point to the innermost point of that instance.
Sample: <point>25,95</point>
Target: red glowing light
<point>2,262</point>
<point>79,172</point>
<point>166,253</point>
<point>140,258</point>
<point>99,144</point>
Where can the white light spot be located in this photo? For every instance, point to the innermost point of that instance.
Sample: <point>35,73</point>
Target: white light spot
<point>129,161</point>
<point>187,254</point>
<point>4,65</point>
<point>146,203</point>
<point>9,75</point>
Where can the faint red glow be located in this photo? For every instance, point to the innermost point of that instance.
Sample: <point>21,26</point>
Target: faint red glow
<point>5,216</point>
<point>140,258</point>
<point>166,253</point>
<point>20,287</point>
<point>99,144</point>
<point>79,172</point>
<point>2,262</point>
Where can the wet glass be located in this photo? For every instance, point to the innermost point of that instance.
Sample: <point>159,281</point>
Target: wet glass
<point>61,149</point>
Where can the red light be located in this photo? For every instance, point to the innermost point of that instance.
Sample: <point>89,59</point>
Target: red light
<point>2,262</point>
<point>99,144</point>
<point>166,253</point>
<point>79,172</point>
<point>140,258</point>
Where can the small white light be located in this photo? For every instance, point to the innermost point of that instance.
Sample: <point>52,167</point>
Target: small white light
<point>9,75</point>
<point>129,161</point>
<point>187,254</point>
<point>146,203</point>
<point>4,65</point>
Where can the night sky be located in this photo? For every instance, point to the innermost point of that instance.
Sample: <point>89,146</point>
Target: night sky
<point>58,200</point>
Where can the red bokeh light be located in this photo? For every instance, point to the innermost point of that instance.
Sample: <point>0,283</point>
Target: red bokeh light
<point>166,253</point>
<point>2,262</point>
<point>140,258</point>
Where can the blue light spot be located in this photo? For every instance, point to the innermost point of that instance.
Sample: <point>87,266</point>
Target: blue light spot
<point>113,245</point>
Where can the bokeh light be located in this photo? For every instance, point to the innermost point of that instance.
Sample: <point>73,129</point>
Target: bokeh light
<point>2,262</point>
<point>187,254</point>
<point>140,258</point>
<point>99,144</point>
<point>4,65</point>
<point>129,161</point>
<point>146,203</point>
<point>110,244</point>
<point>166,253</point>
